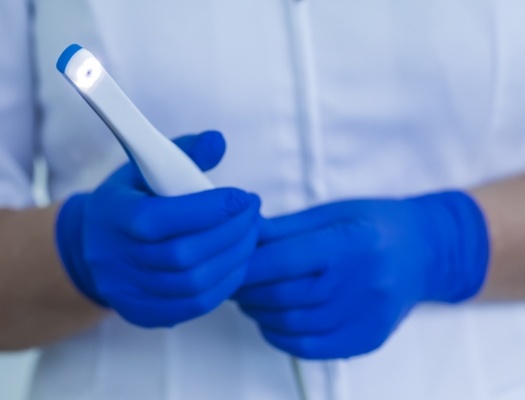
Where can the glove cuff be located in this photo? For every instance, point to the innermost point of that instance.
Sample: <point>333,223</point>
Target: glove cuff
<point>68,231</point>
<point>461,237</point>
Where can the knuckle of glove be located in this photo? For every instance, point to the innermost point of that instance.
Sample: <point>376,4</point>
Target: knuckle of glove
<point>108,291</point>
<point>305,348</point>
<point>378,328</point>
<point>144,320</point>
<point>303,322</point>
<point>276,295</point>
<point>374,341</point>
<point>155,319</point>
<point>196,283</point>
<point>202,304</point>
<point>298,346</point>
<point>383,288</point>
<point>235,202</point>
<point>181,255</point>
<point>287,322</point>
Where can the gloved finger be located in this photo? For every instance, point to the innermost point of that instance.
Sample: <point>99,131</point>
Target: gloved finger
<point>155,219</point>
<point>284,295</point>
<point>306,254</point>
<point>292,258</point>
<point>187,251</point>
<point>199,279</point>
<point>126,180</point>
<point>152,312</point>
<point>309,220</point>
<point>297,322</point>
<point>322,318</point>
<point>205,149</point>
<point>355,338</point>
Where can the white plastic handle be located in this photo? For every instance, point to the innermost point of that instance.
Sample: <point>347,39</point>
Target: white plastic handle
<point>167,169</point>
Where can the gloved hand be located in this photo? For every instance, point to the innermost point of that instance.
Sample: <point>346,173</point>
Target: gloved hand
<point>335,281</point>
<point>158,261</point>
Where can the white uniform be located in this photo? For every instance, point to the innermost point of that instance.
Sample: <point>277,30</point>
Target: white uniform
<point>318,100</point>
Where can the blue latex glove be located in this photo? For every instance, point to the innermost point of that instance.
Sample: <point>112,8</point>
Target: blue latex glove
<point>158,261</point>
<point>335,281</point>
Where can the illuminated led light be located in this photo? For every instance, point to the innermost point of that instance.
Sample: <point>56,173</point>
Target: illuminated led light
<point>87,74</point>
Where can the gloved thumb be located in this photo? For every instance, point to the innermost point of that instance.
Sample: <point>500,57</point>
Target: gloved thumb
<point>205,149</point>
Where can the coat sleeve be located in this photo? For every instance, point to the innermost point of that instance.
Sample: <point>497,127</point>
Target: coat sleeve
<point>17,110</point>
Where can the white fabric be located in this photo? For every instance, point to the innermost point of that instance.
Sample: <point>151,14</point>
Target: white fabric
<point>17,144</point>
<point>319,100</point>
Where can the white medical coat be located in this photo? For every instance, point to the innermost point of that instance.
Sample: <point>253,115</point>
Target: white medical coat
<point>318,100</point>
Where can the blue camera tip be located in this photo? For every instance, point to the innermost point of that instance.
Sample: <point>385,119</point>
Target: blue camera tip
<point>66,56</point>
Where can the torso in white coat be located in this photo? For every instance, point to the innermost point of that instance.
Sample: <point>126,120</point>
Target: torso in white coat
<point>318,100</point>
